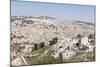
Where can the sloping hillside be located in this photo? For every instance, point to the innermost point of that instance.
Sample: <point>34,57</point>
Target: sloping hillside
<point>58,40</point>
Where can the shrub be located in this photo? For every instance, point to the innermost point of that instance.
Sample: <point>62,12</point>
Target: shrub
<point>42,44</point>
<point>53,41</point>
<point>60,57</point>
<point>79,36</point>
<point>35,46</point>
<point>91,36</point>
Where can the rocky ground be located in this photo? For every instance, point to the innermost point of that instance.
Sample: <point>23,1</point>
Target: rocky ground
<point>46,40</point>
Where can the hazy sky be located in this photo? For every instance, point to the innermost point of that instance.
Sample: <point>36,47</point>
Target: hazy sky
<point>59,11</point>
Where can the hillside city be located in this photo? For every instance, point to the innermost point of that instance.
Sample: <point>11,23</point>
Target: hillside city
<point>46,40</point>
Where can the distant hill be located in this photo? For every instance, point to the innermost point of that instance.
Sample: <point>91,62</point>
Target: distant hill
<point>89,23</point>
